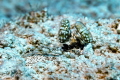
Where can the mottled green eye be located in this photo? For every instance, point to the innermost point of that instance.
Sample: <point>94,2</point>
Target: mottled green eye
<point>83,34</point>
<point>79,26</point>
<point>64,31</point>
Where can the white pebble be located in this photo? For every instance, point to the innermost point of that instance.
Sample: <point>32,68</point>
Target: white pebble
<point>118,29</point>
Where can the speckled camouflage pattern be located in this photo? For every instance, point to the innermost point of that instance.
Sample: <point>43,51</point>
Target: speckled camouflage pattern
<point>64,31</point>
<point>83,34</point>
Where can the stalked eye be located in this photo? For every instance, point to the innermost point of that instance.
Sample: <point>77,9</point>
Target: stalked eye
<point>64,27</point>
<point>85,35</point>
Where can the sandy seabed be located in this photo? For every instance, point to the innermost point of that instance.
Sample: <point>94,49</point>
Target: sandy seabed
<point>30,49</point>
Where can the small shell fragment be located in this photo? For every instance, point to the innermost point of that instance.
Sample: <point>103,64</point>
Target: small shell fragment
<point>118,29</point>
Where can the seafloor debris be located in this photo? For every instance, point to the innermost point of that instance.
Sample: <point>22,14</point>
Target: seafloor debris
<point>118,29</point>
<point>33,17</point>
